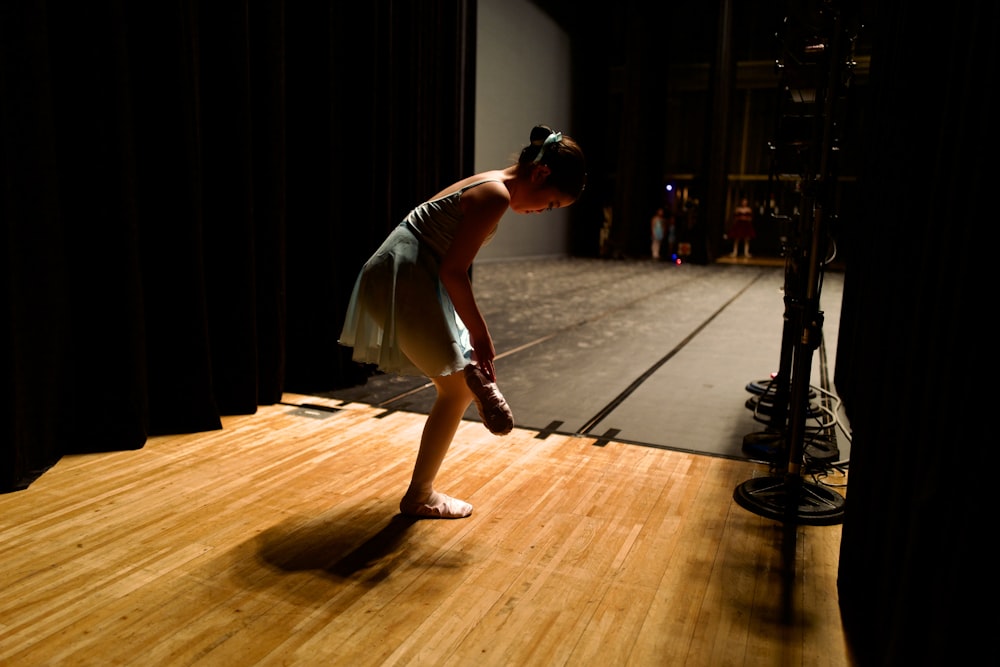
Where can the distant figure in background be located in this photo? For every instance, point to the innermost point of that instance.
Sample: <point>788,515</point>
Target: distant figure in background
<point>742,228</point>
<point>605,237</point>
<point>658,231</point>
<point>671,235</point>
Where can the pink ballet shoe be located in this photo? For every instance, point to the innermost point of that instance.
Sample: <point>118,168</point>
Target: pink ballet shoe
<point>492,406</point>
<point>444,507</point>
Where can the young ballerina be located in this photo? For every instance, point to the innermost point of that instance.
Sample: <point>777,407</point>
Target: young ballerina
<point>742,228</point>
<point>413,311</point>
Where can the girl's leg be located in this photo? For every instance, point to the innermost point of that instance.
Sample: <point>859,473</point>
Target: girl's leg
<point>421,500</point>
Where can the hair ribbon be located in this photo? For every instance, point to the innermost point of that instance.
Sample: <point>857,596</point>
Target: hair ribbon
<point>553,138</point>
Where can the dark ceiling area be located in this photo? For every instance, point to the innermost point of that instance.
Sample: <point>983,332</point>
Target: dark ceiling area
<point>689,32</point>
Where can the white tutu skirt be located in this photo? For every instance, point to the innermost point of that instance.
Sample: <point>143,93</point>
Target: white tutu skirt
<point>400,316</point>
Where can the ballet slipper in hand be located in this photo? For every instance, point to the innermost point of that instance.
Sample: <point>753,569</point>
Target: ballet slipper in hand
<point>438,506</point>
<point>492,406</point>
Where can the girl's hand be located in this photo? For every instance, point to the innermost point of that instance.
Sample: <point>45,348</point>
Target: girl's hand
<point>489,370</point>
<point>483,354</point>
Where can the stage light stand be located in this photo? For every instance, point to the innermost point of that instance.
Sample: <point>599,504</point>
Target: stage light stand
<point>786,496</point>
<point>814,84</point>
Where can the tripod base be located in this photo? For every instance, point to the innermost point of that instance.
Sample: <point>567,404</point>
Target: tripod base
<point>764,445</point>
<point>763,387</point>
<point>769,446</point>
<point>765,406</point>
<point>801,502</point>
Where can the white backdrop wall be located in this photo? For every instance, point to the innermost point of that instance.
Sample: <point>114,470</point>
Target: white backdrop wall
<point>522,80</point>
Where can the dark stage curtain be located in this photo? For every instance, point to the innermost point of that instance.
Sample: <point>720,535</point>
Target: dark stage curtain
<point>916,576</point>
<point>189,189</point>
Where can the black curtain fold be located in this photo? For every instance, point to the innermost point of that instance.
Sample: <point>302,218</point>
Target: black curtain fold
<point>171,185</point>
<point>227,126</point>
<point>915,561</point>
<point>189,189</point>
<point>266,33</point>
<point>97,209</point>
<point>29,250</point>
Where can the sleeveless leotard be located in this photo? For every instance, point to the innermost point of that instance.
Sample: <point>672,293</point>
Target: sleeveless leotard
<point>435,221</point>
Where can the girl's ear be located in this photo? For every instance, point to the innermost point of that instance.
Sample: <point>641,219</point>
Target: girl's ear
<point>540,173</point>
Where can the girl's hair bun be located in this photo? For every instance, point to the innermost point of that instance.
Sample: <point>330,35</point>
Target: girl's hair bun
<point>539,134</point>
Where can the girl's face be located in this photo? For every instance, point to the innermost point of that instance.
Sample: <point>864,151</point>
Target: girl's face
<point>540,199</point>
<point>537,196</point>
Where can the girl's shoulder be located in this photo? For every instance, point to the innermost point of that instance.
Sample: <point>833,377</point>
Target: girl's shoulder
<point>494,178</point>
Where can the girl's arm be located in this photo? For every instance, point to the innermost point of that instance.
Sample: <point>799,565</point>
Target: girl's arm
<point>482,208</point>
